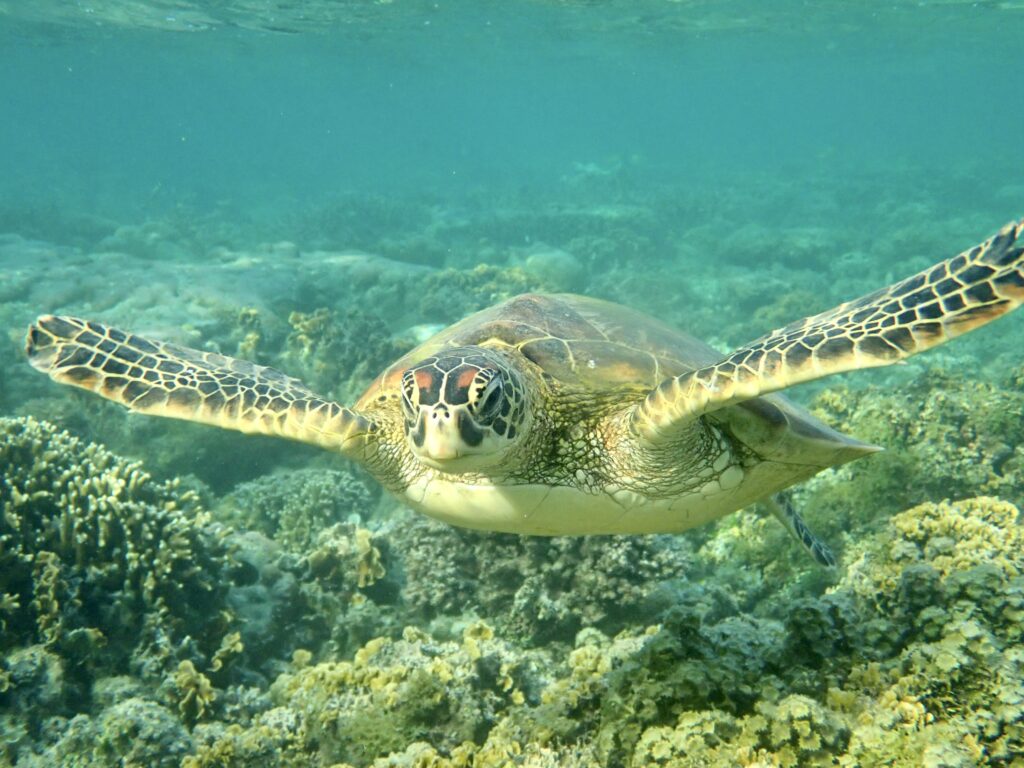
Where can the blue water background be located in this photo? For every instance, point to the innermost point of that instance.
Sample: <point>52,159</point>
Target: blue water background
<point>462,98</point>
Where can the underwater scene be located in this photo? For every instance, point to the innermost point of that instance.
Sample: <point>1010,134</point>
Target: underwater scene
<point>564,533</point>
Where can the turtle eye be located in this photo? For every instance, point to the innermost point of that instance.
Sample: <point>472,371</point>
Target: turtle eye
<point>489,402</point>
<point>410,396</point>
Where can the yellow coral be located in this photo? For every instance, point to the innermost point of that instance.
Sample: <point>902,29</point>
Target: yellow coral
<point>947,536</point>
<point>249,322</point>
<point>472,635</point>
<point>230,646</point>
<point>195,692</point>
<point>369,567</point>
<point>343,549</point>
<point>45,600</point>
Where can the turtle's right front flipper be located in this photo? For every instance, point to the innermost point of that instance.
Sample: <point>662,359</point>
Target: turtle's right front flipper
<point>162,379</point>
<point>944,301</point>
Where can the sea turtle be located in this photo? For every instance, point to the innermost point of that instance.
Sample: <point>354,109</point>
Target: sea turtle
<point>561,414</point>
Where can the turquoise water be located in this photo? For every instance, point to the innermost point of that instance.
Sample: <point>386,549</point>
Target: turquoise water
<point>319,186</point>
<point>466,99</point>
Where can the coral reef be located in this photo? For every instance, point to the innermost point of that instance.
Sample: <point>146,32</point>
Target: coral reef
<point>535,589</point>
<point>338,355</point>
<point>92,548</point>
<point>944,436</point>
<point>101,569</point>
<point>923,669</point>
<point>294,507</point>
<point>910,656</point>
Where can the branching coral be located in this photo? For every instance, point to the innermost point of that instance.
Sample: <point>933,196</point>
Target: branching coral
<point>90,541</point>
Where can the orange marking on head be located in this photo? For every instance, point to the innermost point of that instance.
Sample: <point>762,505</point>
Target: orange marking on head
<point>424,379</point>
<point>466,377</point>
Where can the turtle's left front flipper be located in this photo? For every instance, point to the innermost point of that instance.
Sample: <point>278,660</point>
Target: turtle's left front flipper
<point>921,312</point>
<point>162,379</point>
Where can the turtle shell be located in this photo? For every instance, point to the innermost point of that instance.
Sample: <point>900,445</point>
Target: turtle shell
<point>601,346</point>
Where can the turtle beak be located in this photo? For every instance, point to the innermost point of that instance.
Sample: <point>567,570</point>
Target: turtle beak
<point>441,439</point>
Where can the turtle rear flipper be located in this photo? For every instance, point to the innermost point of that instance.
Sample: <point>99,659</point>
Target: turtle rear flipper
<point>163,379</point>
<point>781,505</point>
<point>921,312</point>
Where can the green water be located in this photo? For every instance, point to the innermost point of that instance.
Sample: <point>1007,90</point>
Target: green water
<point>318,186</point>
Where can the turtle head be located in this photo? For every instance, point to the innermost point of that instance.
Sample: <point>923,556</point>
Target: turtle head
<point>463,409</point>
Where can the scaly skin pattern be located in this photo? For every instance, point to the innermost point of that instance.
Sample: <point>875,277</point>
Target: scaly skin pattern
<point>162,379</point>
<point>578,454</point>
